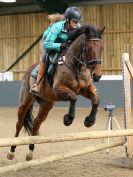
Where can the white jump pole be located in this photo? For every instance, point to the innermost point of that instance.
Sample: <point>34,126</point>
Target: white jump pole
<point>64,137</point>
<point>62,156</point>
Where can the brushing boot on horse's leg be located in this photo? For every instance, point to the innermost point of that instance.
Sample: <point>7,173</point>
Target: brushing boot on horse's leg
<point>35,89</point>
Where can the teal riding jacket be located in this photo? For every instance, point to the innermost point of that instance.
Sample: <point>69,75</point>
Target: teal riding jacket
<point>55,35</point>
<point>52,39</point>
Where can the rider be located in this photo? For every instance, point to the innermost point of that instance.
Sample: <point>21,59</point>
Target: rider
<point>56,39</point>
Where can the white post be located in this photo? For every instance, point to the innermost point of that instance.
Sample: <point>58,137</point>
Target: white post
<point>127,76</point>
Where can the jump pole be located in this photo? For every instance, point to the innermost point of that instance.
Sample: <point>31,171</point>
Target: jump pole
<point>127,73</point>
<point>64,137</point>
<point>62,156</point>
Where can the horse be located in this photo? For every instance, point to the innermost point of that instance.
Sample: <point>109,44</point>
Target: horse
<point>73,77</point>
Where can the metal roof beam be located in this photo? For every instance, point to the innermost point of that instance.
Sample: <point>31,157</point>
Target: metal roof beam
<point>52,6</point>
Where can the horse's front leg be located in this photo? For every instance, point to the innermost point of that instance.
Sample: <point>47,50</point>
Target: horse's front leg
<point>69,117</point>
<point>91,93</point>
<point>63,93</point>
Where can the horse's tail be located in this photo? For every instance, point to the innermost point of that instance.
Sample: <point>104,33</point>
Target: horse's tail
<point>24,95</point>
<point>29,121</point>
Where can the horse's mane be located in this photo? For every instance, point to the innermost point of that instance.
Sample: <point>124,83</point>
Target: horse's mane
<point>76,44</point>
<point>74,34</point>
<point>91,32</point>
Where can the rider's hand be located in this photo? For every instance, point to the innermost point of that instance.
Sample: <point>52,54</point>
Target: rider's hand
<point>64,45</point>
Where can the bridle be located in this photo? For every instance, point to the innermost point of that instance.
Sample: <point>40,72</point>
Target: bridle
<point>91,62</point>
<point>81,58</point>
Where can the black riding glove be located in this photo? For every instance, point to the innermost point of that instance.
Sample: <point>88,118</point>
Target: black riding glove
<point>64,45</point>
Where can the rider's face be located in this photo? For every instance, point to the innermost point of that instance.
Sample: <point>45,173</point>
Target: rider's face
<point>73,24</point>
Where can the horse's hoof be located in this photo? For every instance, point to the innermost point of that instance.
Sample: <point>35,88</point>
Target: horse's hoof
<point>68,119</point>
<point>10,155</point>
<point>89,121</point>
<point>29,156</point>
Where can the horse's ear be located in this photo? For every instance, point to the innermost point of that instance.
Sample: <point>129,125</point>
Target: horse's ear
<point>101,31</point>
<point>87,31</point>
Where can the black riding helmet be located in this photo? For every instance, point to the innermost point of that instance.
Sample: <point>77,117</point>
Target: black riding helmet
<point>73,13</point>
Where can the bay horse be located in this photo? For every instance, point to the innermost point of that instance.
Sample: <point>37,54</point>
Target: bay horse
<point>74,77</point>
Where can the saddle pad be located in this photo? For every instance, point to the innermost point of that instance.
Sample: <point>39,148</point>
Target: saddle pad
<point>35,71</point>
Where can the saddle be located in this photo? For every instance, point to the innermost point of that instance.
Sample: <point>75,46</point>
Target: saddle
<point>52,61</point>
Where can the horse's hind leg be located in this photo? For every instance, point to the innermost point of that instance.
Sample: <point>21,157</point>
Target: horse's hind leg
<point>44,109</point>
<point>23,110</point>
<point>91,93</point>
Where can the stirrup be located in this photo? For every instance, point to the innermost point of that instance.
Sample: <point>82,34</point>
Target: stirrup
<point>34,92</point>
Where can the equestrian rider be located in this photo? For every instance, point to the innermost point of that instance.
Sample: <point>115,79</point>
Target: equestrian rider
<point>55,39</point>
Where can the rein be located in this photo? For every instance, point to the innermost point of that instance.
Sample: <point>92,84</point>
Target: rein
<point>81,60</point>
